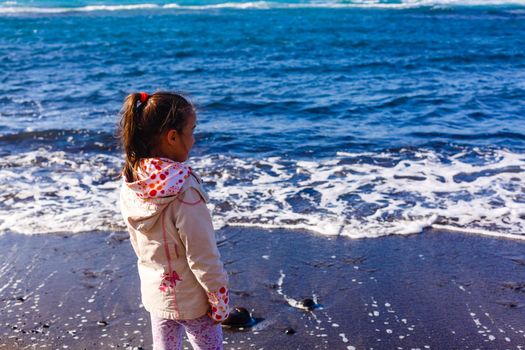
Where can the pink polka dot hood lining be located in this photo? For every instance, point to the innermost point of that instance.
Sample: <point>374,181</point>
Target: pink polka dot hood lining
<point>159,177</point>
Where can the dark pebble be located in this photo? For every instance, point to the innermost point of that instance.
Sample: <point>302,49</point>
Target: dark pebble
<point>516,286</point>
<point>510,303</point>
<point>238,317</point>
<point>308,303</point>
<point>518,260</point>
<point>102,323</point>
<point>289,331</point>
<point>90,274</point>
<point>21,299</point>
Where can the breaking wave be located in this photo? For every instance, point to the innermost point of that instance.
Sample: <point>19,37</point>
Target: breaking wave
<point>13,8</point>
<point>354,194</point>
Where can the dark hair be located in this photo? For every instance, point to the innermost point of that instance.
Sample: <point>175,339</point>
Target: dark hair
<point>145,117</point>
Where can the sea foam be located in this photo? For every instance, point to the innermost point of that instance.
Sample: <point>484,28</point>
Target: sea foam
<point>354,194</point>
<point>13,8</point>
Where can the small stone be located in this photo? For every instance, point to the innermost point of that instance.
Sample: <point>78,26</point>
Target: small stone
<point>239,317</point>
<point>102,323</point>
<point>90,274</point>
<point>289,331</point>
<point>308,303</point>
<point>20,299</point>
<point>516,286</point>
<point>510,303</point>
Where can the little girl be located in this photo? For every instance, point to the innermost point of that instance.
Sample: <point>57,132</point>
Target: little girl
<point>163,202</point>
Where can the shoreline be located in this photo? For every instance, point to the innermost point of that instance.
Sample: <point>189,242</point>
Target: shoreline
<point>432,290</point>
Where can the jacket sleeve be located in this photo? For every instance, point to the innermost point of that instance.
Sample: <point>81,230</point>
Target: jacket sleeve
<point>197,234</point>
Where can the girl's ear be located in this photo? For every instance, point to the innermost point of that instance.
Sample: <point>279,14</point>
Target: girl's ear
<point>171,136</point>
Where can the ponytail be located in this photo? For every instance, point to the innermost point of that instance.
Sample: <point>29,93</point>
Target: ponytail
<point>128,128</point>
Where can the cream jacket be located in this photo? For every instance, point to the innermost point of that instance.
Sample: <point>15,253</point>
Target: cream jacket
<point>181,274</point>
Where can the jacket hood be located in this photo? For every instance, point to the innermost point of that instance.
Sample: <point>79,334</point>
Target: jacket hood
<point>158,182</point>
<point>159,177</point>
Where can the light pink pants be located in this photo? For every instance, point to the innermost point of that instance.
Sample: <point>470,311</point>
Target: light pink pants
<point>202,332</point>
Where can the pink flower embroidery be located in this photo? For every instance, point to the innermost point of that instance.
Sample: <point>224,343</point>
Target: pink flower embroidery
<point>169,281</point>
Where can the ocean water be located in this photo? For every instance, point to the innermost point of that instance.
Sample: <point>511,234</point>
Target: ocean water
<point>354,118</point>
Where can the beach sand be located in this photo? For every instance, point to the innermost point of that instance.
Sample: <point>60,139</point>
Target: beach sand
<point>436,290</point>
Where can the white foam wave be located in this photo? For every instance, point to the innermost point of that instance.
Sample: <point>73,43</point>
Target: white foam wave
<point>57,10</point>
<point>261,5</point>
<point>355,194</point>
<point>8,8</point>
<point>403,199</point>
<point>54,192</point>
<point>480,232</point>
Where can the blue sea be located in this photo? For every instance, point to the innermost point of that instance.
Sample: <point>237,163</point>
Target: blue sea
<point>352,118</point>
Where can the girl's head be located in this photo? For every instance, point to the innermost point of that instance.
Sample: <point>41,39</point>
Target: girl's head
<point>157,125</point>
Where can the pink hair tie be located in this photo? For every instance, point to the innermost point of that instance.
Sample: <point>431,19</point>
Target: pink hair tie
<point>143,97</point>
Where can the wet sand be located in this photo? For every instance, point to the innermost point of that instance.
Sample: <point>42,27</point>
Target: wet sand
<point>435,290</point>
